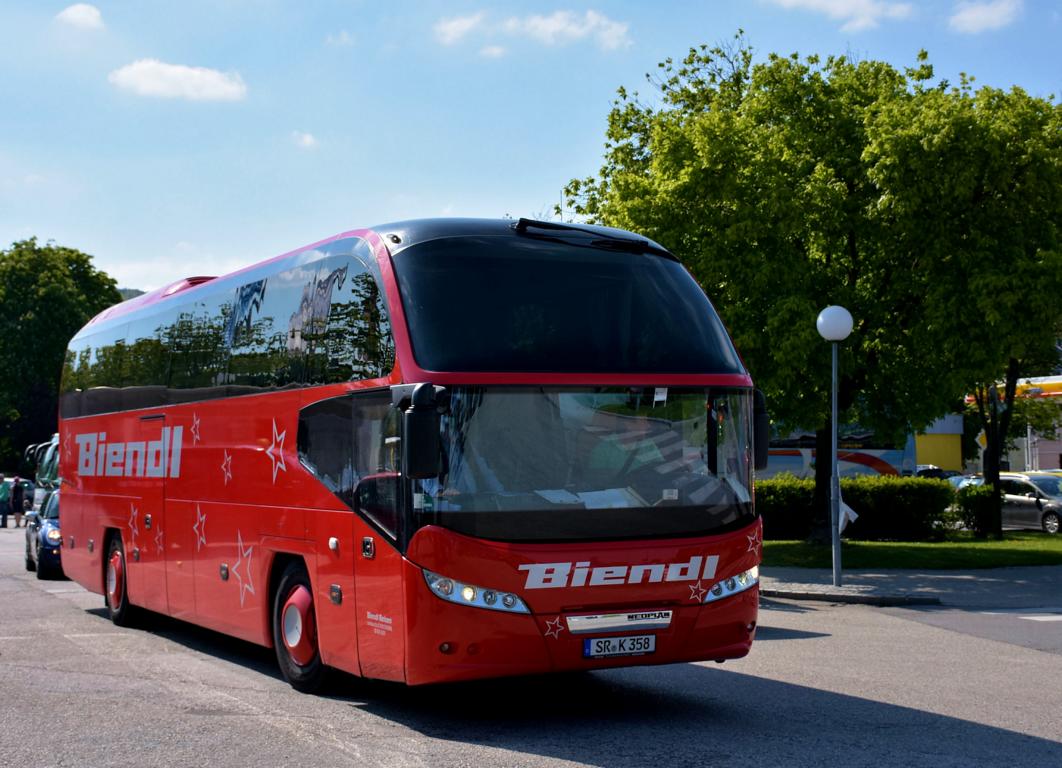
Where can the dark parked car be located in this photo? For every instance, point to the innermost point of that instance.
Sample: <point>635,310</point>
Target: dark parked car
<point>1032,500</point>
<point>44,541</point>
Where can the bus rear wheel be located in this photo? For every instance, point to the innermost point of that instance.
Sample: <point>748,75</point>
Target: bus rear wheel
<point>115,594</point>
<point>295,630</point>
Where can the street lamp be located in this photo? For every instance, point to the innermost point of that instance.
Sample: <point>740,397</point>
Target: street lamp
<point>834,324</point>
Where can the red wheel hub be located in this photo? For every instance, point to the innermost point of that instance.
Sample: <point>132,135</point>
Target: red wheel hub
<point>115,579</point>
<point>297,626</point>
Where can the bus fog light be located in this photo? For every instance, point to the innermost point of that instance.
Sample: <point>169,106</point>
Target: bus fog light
<point>455,591</point>
<point>733,585</point>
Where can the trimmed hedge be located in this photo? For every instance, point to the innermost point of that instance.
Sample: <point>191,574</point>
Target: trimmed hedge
<point>977,506</point>
<point>890,508</point>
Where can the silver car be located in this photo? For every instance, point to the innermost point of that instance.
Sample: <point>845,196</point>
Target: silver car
<point>1031,500</point>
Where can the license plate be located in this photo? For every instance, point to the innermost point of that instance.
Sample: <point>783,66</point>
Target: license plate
<point>631,645</point>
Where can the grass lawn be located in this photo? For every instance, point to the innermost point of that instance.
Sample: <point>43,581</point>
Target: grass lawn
<point>960,551</point>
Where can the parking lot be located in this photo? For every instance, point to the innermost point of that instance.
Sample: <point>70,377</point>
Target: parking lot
<point>825,685</point>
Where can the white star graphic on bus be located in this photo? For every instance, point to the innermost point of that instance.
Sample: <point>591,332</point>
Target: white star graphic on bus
<point>158,540</point>
<point>133,529</point>
<point>226,467</point>
<point>243,556</point>
<point>275,452</point>
<point>754,542</point>
<point>199,529</point>
<point>697,592</point>
<point>195,428</point>
<point>553,627</point>
<point>66,444</point>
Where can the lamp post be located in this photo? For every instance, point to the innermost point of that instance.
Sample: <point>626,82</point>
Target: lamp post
<point>834,324</point>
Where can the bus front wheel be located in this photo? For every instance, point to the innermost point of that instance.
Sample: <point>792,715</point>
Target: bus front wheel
<point>295,630</point>
<point>115,594</point>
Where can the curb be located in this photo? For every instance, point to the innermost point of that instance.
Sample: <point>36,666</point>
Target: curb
<point>838,596</point>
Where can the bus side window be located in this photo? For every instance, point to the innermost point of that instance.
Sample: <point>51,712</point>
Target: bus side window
<point>377,460</point>
<point>325,445</point>
<point>351,444</point>
<point>349,336</point>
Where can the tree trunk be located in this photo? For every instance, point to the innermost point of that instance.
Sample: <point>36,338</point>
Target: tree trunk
<point>821,533</point>
<point>995,419</point>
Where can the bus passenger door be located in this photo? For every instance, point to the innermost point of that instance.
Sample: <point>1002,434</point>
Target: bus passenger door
<point>377,503</point>
<point>151,453</point>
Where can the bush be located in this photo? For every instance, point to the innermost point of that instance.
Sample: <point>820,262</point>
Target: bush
<point>976,508</point>
<point>898,508</point>
<point>784,503</point>
<point>889,507</point>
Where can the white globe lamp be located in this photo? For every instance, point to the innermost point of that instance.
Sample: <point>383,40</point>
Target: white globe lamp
<point>834,323</point>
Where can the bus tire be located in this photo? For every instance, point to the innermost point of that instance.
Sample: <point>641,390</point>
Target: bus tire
<point>115,591</point>
<point>295,630</point>
<point>42,571</point>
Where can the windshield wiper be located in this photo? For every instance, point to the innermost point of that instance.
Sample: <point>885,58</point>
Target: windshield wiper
<point>597,239</point>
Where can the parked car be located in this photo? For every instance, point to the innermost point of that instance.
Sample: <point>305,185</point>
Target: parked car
<point>44,540</point>
<point>1032,500</point>
<point>961,481</point>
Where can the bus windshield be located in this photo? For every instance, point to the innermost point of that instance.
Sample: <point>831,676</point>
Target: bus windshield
<point>506,304</point>
<point>544,463</point>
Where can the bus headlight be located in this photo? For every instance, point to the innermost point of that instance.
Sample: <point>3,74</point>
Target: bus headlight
<point>733,585</point>
<point>458,592</point>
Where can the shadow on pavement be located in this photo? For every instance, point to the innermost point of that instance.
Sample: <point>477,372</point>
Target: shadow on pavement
<point>783,633</point>
<point>689,715</point>
<point>675,716</point>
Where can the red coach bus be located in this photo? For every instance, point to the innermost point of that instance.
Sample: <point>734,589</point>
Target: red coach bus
<point>430,451</point>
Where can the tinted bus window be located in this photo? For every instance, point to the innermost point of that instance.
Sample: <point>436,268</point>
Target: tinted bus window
<point>345,324</point>
<point>533,305</point>
<point>197,338</point>
<point>267,351</point>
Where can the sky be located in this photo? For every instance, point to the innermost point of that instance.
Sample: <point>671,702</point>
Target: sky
<point>170,139</point>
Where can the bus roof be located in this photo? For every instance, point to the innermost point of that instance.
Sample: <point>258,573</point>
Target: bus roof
<point>397,236</point>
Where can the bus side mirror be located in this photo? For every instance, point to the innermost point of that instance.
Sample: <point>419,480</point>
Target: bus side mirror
<point>761,430</point>
<point>420,435</point>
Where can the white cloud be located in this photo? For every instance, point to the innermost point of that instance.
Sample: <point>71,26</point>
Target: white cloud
<point>857,15</point>
<point>182,259</point>
<point>492,51</point>
<point>971,17</point>
<point>341,39</point>
<point>81,15</point>
<point>564,27</point>
<point>452,31</point>
<point>304,140</point>
<point>151,77</point>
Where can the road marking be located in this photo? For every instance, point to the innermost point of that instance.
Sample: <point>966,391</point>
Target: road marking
<point>92,634</point>
<point>1050,614</point>
<point>12,637</point>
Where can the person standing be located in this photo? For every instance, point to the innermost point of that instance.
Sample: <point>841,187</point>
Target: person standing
<point>18,495</point>
<point>5,501</point>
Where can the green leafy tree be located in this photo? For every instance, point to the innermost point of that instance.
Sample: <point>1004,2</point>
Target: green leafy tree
<point>47,292</point>
<point>972,182</point>
<point>791,184</point>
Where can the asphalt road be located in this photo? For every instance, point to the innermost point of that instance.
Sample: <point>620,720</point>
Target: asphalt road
<point>825,685</point>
